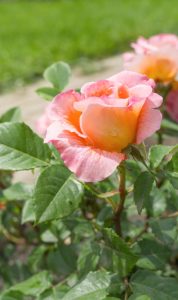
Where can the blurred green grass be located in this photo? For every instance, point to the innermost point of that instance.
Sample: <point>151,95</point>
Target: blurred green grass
<point>33,34</point>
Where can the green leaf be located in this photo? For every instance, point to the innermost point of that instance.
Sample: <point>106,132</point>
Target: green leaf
<point>153,255</point>
<point>12,115</point>
<point>154,286</point>
<point>11,295</point>
<point>18,191</point>
<point>142,189</point>
<point>94,287</point>
<point>173,178</point>
<point>158,152</point>
<point>58,74</point>
<point>28,212</point>
<point>133,169</point>
<point>169,127</point>
<point>174,161</point>
<point>63,260</point>
<point>33,286</point>
<point>47,93</point>
<point>60,290</point>
<point>57,193</point>
<point>35,258</point>
<point>165,230</point>
<point>48,295</point>
<point>48,237</point>
<point>88,258</point>
<point>21,148</point>
<point>138,152</point>
<point>124,257</point>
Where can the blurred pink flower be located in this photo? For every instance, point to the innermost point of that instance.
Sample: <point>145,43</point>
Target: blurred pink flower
<point>43,122</point>
<point>172,104</point>
<point>92,128</point>
<point>156,57</point>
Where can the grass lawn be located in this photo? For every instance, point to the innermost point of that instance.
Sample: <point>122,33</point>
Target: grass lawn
<point>33,34</point>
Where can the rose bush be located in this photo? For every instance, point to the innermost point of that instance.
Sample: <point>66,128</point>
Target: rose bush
<point>99,221</point>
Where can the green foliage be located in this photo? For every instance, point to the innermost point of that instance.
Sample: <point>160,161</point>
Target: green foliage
<point>64,239</point>
<point>47,93</point>
<point>153,255</point>
<point>88,258</point>
<point>12,115</point>
<point>142,189</point>
<point>18,191</point>
<point>57,193</point>
<point>154,286</point>
<point>123,256</point>
<point>24,151</point>
<point>33,286</point>
<point>94,287</point>
<point>58,74</point>
<point>157,154</point>
<point>170,128</point>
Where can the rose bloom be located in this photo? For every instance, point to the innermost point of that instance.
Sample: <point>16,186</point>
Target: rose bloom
<point>156,57</point>
<point>91,129</point>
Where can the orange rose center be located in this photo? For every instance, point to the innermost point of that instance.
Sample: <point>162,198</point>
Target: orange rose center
<point>111,128</point>
<point>159,68</point>
<point>123,92</point>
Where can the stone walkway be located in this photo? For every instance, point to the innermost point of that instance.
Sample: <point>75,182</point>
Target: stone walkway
<point>32,106</point>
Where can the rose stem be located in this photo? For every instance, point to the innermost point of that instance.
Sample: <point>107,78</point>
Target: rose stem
<point>122,193</point>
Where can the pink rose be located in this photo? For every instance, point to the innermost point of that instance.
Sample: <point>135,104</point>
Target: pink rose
<point>156,57</point>
<point>92,128</point>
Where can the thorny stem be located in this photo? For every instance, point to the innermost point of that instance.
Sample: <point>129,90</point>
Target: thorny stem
<point>127,288</point>
<point>120,207</point>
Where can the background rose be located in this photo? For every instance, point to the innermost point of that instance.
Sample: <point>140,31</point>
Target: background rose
<point>92,128</point>
<point>157,57</point>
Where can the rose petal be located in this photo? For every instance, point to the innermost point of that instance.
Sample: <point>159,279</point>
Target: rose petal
<point>156,100</point>
<point>141,91</point>
<point>164,39</point>
<point>62,109</point>
<point>97,89</point>
<point>82,105</point>
<point>62,105</point>
<point>89,164</point>
<point>131,79</point>
<point>149,122</point>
